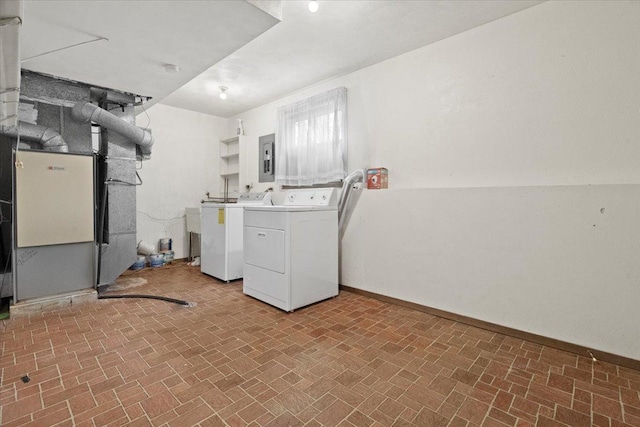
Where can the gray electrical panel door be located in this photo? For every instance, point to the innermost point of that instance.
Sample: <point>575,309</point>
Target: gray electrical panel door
<point>266,145</point>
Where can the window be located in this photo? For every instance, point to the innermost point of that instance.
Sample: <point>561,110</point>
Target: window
<point>311,140</point>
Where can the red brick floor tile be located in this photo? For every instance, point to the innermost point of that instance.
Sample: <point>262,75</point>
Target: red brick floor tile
<point>571,417</point>
<point>473,410</point>
<point>429,418</point>
<point>607,407</point>
<point>20,408</point>
<point>159,404</point>
<point>284,420</point>
<point>232,360</point>
<point>106,417</point>
<point>334,414</point>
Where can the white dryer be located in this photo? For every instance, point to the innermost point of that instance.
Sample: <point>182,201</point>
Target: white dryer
<point>291,251</point>
<point>221,241</point>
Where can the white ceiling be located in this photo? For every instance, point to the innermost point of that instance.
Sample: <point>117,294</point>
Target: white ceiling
<point>143,36</point>
<point>208,41</point>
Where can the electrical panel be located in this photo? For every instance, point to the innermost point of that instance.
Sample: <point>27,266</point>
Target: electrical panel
<point>266,145</point>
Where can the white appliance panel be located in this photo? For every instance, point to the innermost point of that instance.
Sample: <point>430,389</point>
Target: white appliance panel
<point>222,254</point>
<point>54,199</point>
<point>222,231</point>
<point>264,218</point>
<point>265,248</point>
<point>235,256</point>
<point>300,266</point>
<point>268,286</point>
<point>212,242</point>
<point>314,261</point>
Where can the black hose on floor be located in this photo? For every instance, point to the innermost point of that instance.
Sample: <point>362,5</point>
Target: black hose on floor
<point>167,299</point>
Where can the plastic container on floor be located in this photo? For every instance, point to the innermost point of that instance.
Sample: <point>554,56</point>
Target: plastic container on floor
<point>168,257</point>
<point>156,260</point>
<point>139,264</point>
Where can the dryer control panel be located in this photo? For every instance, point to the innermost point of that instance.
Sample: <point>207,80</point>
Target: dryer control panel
<point>311,197</point>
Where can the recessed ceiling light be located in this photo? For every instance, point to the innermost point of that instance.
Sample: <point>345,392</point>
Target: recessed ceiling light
<point>223,92</point>
<point>313,6</point>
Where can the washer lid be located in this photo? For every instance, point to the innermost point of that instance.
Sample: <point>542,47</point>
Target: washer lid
<point>281,208</point>
<point>217,205</point>
<point>245,199</point>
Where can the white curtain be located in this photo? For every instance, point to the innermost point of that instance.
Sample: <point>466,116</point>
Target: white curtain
<point>311,140</point>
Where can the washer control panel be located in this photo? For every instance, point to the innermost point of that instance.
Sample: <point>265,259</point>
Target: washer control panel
<point>255,198</point>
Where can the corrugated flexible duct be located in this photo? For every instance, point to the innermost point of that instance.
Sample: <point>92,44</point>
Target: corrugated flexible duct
<point>88,112</point>
<point>353,178</point>
<point>48,138</point>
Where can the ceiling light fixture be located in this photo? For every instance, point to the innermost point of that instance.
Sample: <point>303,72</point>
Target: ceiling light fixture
<point>313,6</point>
<point>223,92</point>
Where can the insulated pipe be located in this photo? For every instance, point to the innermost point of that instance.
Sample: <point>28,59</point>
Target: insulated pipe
<point>87,112</point>
<point>353,178</point>
<point>48,138</point>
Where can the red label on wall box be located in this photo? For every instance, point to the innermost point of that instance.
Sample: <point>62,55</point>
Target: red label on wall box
<point>377,178</point>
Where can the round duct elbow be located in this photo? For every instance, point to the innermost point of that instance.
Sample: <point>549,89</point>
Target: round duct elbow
<point>85,112</point>
<point>55,143</point>
<point>47,138</point>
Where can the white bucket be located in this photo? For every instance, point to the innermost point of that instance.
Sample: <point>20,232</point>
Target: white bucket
<point>146,248</point>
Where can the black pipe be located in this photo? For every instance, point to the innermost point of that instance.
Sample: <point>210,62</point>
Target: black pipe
<point>101,229</point>
<point>167,299</point>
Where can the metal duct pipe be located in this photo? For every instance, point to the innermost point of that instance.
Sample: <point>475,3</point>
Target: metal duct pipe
<point>48,138</point>
<point>88,112</point>
<point>353,178</point>
<point>11,14</point>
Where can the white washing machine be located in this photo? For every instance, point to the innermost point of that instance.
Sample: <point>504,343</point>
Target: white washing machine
<point>291,251</point>
<point>221,254</point>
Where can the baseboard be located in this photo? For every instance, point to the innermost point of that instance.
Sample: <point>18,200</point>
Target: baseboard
<point>538,339</point>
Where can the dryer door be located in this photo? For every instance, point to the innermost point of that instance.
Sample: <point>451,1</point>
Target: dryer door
<point>264,248</point>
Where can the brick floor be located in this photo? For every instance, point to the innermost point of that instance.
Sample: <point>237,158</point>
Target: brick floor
<point>234,361</point>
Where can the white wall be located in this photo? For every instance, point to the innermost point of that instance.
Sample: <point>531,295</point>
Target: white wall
<point>503,144</point>
<point>182,168</point>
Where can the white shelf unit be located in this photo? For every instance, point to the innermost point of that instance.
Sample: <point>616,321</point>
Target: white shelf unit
<point>229,154</point>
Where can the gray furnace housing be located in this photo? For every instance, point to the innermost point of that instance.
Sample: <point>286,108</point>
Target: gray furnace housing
<point>53,268</point>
